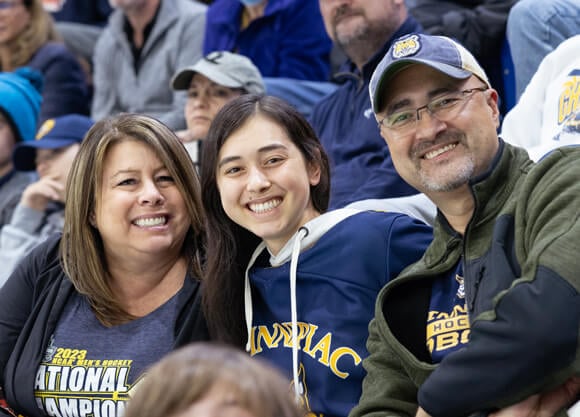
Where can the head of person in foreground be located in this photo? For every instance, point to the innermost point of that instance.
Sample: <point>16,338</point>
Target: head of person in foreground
<point>210,380</point>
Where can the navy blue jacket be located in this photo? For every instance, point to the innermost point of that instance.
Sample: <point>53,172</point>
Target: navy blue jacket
<point>95,12</point>
<point>360,160</point>
<point>65,90</point>
<point>288,41</point>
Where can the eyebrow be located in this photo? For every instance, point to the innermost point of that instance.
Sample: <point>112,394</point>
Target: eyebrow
<point>263,149</point>
<point>134,170</point>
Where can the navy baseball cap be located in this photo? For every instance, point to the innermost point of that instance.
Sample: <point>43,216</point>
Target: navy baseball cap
<point>53,134</point>
<point>438,52</point>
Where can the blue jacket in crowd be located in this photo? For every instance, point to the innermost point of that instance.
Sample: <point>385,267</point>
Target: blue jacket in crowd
<point>361,165</point>
<point>65,90</point>
<point>95,12</point>
<point>288,41</point>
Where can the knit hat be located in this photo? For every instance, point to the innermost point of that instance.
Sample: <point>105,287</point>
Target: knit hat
<point>20,98</point>
<point>53,134</point>
<point>438,52</point>
<point>223,68</point>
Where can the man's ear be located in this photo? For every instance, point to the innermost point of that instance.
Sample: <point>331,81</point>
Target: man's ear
<point>492,101</point>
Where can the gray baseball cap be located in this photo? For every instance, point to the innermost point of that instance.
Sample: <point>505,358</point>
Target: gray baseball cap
<point>223,68</point>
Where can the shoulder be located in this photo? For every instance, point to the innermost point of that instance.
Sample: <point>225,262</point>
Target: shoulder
<point>188,8</point>
<point>51,51</point>
<point>378,224</point>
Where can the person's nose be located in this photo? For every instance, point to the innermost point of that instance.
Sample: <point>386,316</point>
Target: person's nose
<point>201,100</point>
<point>257,181</point>
<point>150,194</point>
<point>428,126</point>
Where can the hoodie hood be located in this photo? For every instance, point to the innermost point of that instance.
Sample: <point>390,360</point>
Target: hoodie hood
<point>303,239</point>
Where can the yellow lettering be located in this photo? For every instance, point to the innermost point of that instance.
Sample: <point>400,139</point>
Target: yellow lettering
<point>262,335</point>
<point>335,357</point>
<point>446,341</point>
<point>324,347</point>
<point>309,335</point>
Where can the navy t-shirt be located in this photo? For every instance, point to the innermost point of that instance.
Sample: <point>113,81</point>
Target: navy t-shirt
<point>447,322</point>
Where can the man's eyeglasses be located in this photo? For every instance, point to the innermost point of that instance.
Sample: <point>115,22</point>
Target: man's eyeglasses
<point>5,5</point>
<point>443,108</point>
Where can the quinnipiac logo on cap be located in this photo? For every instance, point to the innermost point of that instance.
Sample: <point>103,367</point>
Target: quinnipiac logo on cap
<point>45,128</point>
<point>406,46</point>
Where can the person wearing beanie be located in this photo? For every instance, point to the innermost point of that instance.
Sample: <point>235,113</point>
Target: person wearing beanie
<point>40,211</point>
<point>211,82</point>
<point>29,38</point>
<point>19,108</point>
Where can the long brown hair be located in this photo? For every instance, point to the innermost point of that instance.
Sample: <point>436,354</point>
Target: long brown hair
<point>81,248</point>
<point>229,245</point>
<point>39,31</point>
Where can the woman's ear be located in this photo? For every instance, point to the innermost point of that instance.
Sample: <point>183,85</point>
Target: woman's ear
<point>314,170</point>
<point>93,219</point>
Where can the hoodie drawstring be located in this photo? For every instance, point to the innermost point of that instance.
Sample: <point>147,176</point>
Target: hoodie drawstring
<point>248,310</point>
<point>302,233</point>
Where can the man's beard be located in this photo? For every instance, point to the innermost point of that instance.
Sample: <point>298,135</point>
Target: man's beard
<point>459,171</point>
<point>366,39</point>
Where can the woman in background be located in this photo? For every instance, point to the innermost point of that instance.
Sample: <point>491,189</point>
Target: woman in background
<point>29,38</point>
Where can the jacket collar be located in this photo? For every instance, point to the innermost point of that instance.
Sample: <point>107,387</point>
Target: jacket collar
<point>490,190</point>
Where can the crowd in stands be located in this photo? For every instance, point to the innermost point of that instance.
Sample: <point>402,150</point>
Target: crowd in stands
<point>364,207</point>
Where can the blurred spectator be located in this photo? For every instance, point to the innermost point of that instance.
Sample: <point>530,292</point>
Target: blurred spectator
<point>361,166</point>
<point>140,50</point>
<point>479,25</point>
<point>19,107</point>
<point>283,38</point>
<point>210,83</point>
<point>547,112</point>
<point>534,29</point>
<point>40,212</point>
<point>95,12</point>
<point>29,38</point>
<point>210,380</point>
<point>80,23</point>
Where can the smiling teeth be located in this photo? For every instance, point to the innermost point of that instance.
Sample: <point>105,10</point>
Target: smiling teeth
<point>433,154</point>
<point>152,221</point>
<point>263,207</point>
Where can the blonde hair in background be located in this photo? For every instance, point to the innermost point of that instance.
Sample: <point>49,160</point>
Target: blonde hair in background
<point>39,31</point>
<point>186,375</point>
<point>81,248</point>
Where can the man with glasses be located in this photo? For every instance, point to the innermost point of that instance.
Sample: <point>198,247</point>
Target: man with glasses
<point>490,315</point>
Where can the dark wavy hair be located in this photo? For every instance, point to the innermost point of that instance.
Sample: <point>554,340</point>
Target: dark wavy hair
<point>229,246</point>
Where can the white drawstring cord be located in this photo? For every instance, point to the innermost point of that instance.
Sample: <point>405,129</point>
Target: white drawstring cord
<point>248,308</point>
<point>302,233</point>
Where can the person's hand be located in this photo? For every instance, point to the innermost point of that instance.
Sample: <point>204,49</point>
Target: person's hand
<point>185,135</point>
<point>38,194</point>
<point>546,404</point>
<point>423,413</point>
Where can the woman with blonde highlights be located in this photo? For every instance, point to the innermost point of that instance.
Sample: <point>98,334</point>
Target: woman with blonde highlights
<point>91,310</point>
